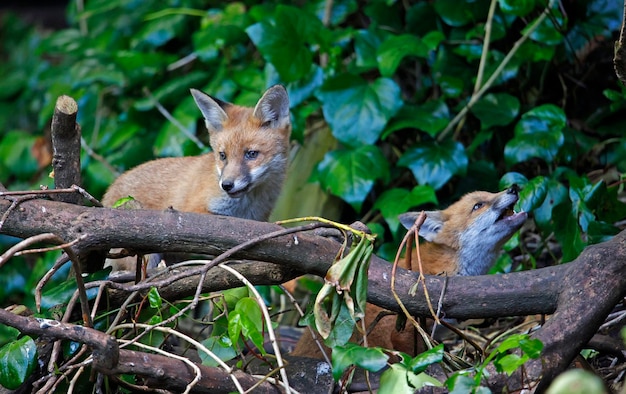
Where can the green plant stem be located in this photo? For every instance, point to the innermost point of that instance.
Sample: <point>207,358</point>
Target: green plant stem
<point>475,97</point>
<point>486,42</point>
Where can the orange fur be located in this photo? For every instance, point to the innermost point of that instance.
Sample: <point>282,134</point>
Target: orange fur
<point>463,239</point>
<point>243,175</point>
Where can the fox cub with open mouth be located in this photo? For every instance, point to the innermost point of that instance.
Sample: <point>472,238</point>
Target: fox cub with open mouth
<point>464,239</point>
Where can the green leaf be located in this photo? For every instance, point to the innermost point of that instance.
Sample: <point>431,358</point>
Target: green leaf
<point>423,360</point>
<point>154,298</point>
<point>431,117</point>
<point>538,134</point>
<point>556,193</point>
<point>509,363</point>
<point>397,379</point>
<point>214,38</point>
<point>15,154</point>
<point>366,44</point>
<point>459,13</point>
<point>172,90</point>
<point>533,194</point>
<point>567,231</point>
<point>350,174</point>
<point>517,7</point>
<point>460,383</point>
<point>357,110</point>
<point>283,41</point>
<point>435,163</point>
<point>394,202</point>
<point>497,109</point>
<point>247,320</point>
<point>531,346</point>
<point>159,31</point>
<point>17,362</point>
<point>512,178</point>
<point>342,320</point>
<point>61,293</point>
<point>549,31</point>
<point>370,359</point>
<point>339,12</point>
<point>395,48</point>
<point>221,346</point>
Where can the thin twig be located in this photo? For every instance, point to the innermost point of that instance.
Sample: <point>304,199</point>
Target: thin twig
<point>197,344</point>
<point>414,230</point>
<point>475,97</point>
<point>26,243</point>
<point>268,323</point>
<point>172,119</point>
<point>196,369</point>
<point>311,330</point>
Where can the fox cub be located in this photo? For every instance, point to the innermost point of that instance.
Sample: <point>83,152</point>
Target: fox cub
<point>243,175</point>
<point>464,239</point>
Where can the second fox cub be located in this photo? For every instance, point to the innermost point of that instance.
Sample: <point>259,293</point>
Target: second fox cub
<point>466,238</point>
<point>463,239</point>
<point>243,175</point>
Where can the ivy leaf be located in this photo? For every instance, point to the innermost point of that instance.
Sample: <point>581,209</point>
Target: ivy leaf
<point>370,359</point>
<point>517,7</point>
<point>284,41</point>
<point>398,380</point>
<point>431,117</point>
<point>221,346</point>
<point>435,163</point>
<point>17,362</point>
<point>350,174</point>
<point>395,48</point>
<point>423,360</point>
<point>538,134</point>
<point>154,298</point>
<point>556,193</point>
<point>568,232</point>
<point>533,194</point>
<point>396,201</point>
<point>356,110</point>
<point>366,44</point>
<point>549,31</point>
<point>497,109</point>
<point>459,13</point>
<point>159,31</point>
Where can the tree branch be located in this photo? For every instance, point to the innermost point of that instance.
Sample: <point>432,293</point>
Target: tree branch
<point>580,293</point>
<point>66,148</point>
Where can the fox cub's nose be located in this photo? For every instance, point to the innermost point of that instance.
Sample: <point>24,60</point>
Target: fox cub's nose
<point>228,185</point>
<point>514,189</point>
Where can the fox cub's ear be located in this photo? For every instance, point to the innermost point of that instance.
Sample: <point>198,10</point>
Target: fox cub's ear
<point>431,226</point>
<point>273,108</point>
<point>214,115</point>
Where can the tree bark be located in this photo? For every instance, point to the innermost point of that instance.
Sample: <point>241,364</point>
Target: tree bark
<point>66,148</point>
<point>579,294</point>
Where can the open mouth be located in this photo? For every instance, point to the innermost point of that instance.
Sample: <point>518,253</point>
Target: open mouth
<point>507,212</point>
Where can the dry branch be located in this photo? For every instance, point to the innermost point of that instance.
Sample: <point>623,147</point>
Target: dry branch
<point>579,294</point>
<point>66,148</point>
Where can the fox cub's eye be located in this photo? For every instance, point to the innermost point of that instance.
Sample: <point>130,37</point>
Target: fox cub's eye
<point>477,206</point>
<point>251,154</point>
<point>222,156</point>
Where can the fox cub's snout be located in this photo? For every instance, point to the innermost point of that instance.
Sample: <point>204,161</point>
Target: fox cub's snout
<point>467,236</point>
